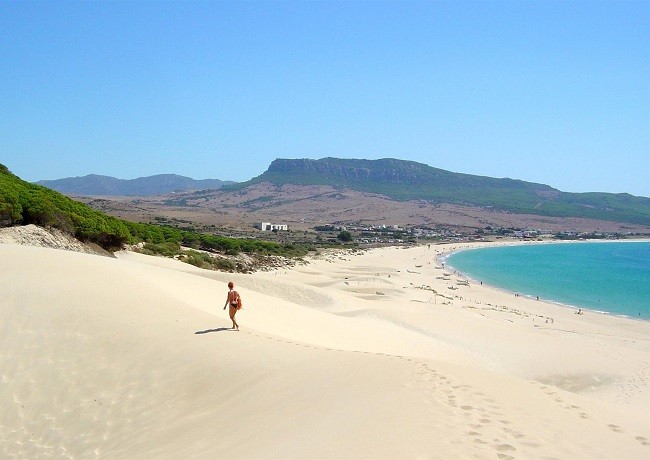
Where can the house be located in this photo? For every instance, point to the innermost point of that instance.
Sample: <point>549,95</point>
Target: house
<point>268,226</point>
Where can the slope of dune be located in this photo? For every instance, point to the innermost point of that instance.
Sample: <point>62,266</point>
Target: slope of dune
<point>132,358</point>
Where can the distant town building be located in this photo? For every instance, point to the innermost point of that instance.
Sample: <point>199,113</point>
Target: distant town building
<point>525,233</point>
<point>268,226</point>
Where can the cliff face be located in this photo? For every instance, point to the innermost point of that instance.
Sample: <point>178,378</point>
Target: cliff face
<point>409,180</point>
<point>385,171</point>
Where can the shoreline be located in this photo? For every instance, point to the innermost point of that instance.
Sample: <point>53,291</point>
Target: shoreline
<point>135,359</point>
<point>443,258</point>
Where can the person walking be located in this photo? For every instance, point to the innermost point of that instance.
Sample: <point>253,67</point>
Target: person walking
<point>234,301</point>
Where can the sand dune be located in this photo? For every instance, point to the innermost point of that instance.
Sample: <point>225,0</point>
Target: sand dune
<point>131,358</point>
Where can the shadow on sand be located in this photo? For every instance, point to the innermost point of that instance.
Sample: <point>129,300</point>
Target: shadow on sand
<point>219,329</point>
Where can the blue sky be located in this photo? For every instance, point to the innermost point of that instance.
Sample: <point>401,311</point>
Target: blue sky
<point>550,92</point>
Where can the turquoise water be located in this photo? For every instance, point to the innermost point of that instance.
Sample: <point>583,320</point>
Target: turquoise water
<point>611,277</point>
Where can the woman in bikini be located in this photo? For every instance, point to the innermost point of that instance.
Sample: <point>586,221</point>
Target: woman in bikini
<point>232,301</point>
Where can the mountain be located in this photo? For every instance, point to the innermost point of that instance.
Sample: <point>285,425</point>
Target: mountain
<point>409,180</point>
<point>23,203</point>
<point>93,185</point>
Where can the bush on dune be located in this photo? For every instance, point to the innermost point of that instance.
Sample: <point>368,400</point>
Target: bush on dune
<point>23,203</point>
<point>168,249</point>
<point>203,260</point>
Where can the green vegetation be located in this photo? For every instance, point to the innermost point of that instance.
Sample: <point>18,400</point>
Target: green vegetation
<point>408,180</point>
<point>25,203</point>
<point>162,249</point>
<point>345,236</point>
<point>22,203</point>
<point>190,256</point>
<point>203,260</point>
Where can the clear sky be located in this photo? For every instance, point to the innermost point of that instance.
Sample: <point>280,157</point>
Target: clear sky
<point>550,92</point>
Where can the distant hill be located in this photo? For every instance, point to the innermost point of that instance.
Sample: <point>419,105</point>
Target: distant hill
<point>23,203</point>
<point>408,180</point>
<point>96,185</point>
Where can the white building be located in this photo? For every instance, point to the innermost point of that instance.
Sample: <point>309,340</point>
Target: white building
<point>268,226</point>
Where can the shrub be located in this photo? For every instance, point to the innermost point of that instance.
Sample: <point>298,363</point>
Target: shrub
<point>225,264</point>
<point>169,249</point>
<point>25,203</point>
<point>198,259</point>
<point>345,236</point>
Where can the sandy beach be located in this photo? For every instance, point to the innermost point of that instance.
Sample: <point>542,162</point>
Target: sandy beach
<point>379,354</point>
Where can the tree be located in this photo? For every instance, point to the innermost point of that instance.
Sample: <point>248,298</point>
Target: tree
<point>345,236</point>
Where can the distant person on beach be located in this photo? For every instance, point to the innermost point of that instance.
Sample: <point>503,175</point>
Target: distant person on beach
<point>234,301</point>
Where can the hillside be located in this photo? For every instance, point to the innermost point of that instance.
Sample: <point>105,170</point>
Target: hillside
<point>96,185</point>
<point>408,180</point>
<point>303,207</point>
<point>23,203</point>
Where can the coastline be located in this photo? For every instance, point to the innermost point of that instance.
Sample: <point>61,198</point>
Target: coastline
<point>444,258</point>
<point>376,354</point>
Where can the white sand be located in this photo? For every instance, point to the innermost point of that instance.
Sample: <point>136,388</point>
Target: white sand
<point>347,357</point>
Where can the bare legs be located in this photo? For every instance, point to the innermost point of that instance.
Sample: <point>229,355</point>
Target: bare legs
<point>232,312</point>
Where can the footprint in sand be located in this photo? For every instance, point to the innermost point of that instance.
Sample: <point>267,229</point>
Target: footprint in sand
<point>642,440</point>
<point>531,444</point>
<point>502,449</point>
<point>615,428</point>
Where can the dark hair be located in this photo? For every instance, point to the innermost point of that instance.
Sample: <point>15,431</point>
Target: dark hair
<point>231,284</point>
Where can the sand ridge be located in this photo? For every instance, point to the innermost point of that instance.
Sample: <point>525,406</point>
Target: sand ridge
<point>132,358</point>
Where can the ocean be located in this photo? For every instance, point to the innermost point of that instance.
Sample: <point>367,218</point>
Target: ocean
<point>611,277</point>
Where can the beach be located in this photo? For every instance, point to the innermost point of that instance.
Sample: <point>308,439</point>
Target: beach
<point>382,353</point>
